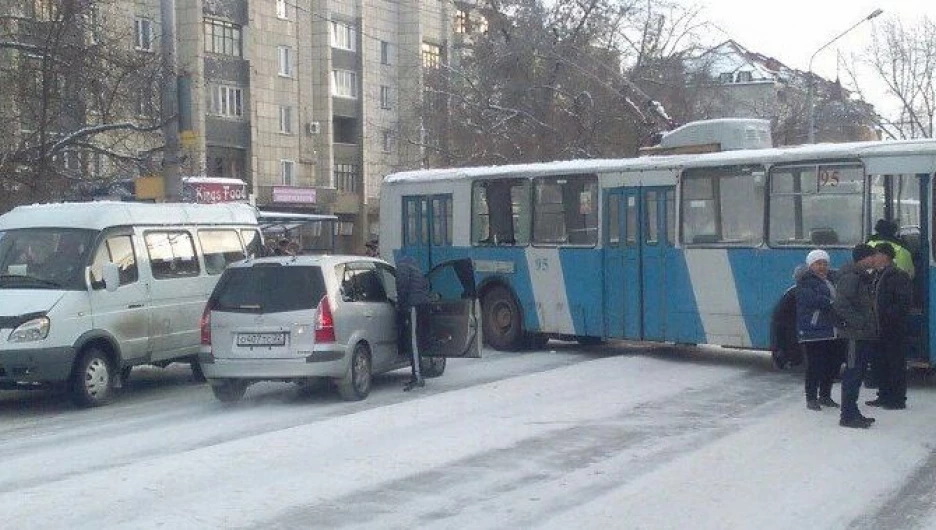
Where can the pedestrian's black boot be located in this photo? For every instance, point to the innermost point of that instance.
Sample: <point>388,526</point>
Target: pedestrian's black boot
<point>827,402</point>
<point>858,422</point>
<point>414,383</point>
<point>813,404</point>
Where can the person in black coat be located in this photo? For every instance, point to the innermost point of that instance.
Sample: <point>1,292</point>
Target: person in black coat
<point>412,291</point>
<point>815,328</point>
<point>893,295</point>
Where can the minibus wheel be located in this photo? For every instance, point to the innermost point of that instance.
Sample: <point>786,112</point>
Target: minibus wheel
<point>431,367</point>
<point>502,328</point>
<point>92,381</point>
<point>229,390</point>
<point>356,384</point>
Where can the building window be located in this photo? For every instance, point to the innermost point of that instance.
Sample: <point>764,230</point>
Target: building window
<point>384,52</point>
<point>143,34</point>
<point>281,9</point>
<point>285,120</point>
<point>343,36</point>
<point>461,21</point>
<point>288,172</point>
<point>431,55</point>
<point>345,130</point>
<point>386,141</point>
<point>222,38</point>
<point>227,101</point>
<point>344,84</point>
<point>745,77</point>
<point>44,10</point>
<point>725,78</point>
<point>385,102</point>
<point>285,61</point>
<point>346,177</point>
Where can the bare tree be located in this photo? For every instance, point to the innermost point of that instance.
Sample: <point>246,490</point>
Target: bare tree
<point>79,86</point>
<point>530,81</point>
<point>903,57</point>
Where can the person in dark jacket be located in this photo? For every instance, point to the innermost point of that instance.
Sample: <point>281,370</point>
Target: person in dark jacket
<point>893,295</point>
<point>412,291</point>
<point>815,328</point>
<point>854,305</point>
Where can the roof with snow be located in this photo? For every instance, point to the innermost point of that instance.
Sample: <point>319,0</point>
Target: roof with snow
<point>103,214</point>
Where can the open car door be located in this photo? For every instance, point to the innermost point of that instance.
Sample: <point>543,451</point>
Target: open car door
<point>452,316</point>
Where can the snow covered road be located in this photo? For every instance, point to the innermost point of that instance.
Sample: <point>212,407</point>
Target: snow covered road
<point>644,438</point>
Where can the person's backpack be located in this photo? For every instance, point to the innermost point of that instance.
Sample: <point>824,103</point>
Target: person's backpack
<point>785,347</point>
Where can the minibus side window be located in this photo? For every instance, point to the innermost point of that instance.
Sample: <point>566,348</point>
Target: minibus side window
<point>252,242</point>
<point>119,251</point>
<point>171,254</point>
<point>220,248</point>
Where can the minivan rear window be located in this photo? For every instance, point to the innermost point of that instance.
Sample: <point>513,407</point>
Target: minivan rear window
<point>268,289</point>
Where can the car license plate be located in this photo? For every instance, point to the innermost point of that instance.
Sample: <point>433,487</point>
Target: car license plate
<point>261,339</point>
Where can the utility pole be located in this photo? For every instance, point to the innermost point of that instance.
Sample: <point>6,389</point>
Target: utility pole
<point>172,175</point>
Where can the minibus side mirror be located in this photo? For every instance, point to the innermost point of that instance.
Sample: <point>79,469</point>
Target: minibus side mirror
<point>111,277</point>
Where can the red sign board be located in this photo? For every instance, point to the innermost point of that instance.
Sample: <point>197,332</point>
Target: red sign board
<point>294,194</point>
<point>212,192</point>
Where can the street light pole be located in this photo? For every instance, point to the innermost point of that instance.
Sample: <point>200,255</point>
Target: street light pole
<point>811,80</point>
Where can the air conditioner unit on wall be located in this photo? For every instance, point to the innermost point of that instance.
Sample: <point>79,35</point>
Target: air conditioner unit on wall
<point>313,127</point>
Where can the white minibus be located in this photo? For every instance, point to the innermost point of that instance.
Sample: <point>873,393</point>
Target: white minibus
<point>89,290</point>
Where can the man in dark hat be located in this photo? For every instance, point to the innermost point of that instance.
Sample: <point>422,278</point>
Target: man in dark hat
<point>886,232</point>
<point>854,304</point>
<point>892,298</point>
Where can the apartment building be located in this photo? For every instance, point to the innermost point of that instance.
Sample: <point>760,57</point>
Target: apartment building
<point>311,102</point>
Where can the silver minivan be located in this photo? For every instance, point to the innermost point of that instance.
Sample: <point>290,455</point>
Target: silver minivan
<point>303,318</point>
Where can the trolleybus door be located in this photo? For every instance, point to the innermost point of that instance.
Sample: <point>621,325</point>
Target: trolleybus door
<point>622,275</point>
<point>654,247</point>
<point>427,228</point>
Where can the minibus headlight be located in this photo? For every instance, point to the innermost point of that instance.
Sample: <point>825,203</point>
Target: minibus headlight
<point>32,330</point>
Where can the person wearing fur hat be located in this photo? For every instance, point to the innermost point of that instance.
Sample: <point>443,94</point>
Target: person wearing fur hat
<point>815,328</point>
<point>854,306</point>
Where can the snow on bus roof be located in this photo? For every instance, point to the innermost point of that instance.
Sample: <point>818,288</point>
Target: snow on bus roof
<point>103,214</point>
<point>924,147</point>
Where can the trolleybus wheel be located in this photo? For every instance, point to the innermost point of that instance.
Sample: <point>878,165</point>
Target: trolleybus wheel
<point>502,327</point>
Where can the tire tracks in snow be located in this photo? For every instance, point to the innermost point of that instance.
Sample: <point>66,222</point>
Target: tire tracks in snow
<point>540,477</point>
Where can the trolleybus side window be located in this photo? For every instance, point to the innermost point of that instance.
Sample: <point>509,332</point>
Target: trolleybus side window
<point>816,205</point>
<point>565,210</point>
<point>442,220</point>
<point>897,197</point>
<point>411,221</point>
<point>723,205</point>
<point>614,228</point>
<point>650,218</point>
<point>500,212</point>
<point>630,229</point>
<point>670,217</point>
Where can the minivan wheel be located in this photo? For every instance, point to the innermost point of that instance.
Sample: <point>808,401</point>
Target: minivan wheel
<point>92,382</point>
<point>431,367</point>
<point>356,384</point>
<point>197,373</point>
<point>229,390</point>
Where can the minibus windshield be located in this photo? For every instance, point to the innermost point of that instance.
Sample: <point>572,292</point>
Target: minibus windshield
<point>44,258</point>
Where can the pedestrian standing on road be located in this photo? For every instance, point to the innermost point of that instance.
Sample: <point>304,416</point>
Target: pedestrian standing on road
<point>815,328</point>
<point>894,291</point>
<point>412,292</point>
<point>854,305</point>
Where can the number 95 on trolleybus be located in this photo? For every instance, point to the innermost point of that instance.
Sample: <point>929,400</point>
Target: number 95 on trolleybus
<point>681,248</point>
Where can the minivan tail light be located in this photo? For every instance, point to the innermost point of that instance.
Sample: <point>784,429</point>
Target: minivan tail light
<point>324,322</point>
<point>206,326</point>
